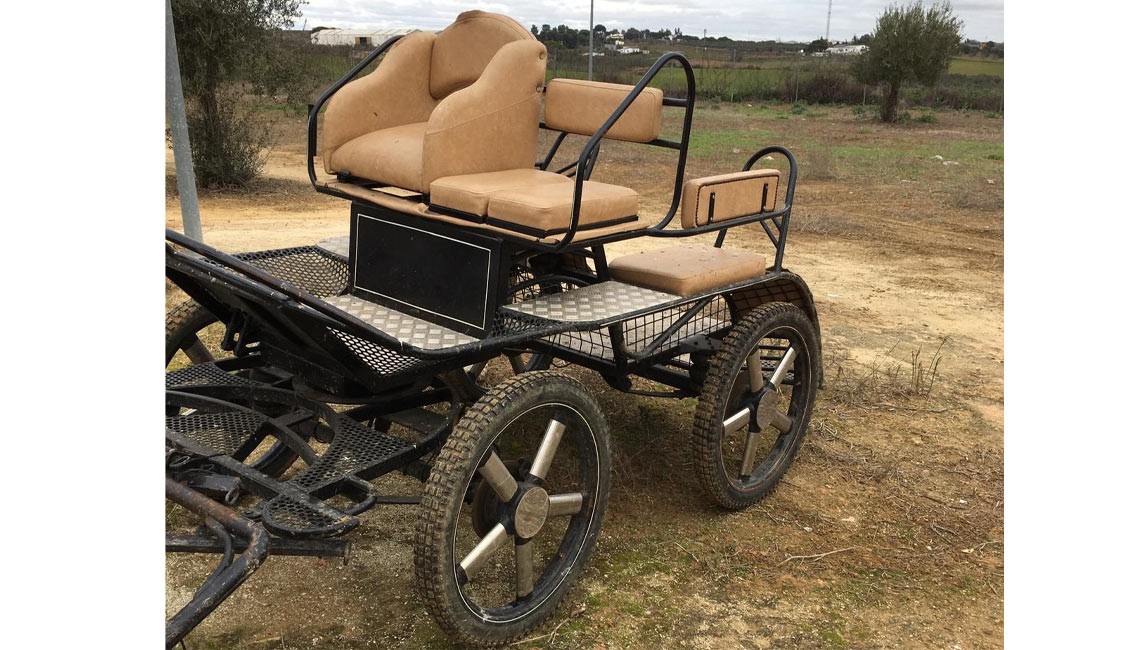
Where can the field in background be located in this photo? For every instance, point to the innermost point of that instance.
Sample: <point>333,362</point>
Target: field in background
<point>725,74</point>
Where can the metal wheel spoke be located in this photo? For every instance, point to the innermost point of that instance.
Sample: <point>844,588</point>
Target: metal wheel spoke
<point>545,454</point>
<point>782,422</point>
<point>784,366</point>
<point>473,371</point>
<point>562,505</point>
<point>197,351</point>
<point>738,421</point>
<point>484,550</point>
<point>755,363</point>
<point>749,453</point>
<point>497,474</point>
<point>524,569</point>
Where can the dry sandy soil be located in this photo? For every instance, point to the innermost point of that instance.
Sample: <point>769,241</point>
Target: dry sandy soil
<point>888,530</point>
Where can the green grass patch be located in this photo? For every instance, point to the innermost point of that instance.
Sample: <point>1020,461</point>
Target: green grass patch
<point>974,67</point>
<point>721,142</point>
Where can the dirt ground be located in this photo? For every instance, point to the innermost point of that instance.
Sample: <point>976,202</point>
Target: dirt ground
<point>888,530</point>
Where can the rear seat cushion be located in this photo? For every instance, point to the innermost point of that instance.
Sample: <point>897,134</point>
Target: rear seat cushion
<point>686,270</point>
<point>469,194</point>
<point>546,209</point>
<point>393,155</point>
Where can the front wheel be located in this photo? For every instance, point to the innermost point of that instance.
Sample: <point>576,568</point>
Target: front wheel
<point>755,405</point>
<point>512,508</point>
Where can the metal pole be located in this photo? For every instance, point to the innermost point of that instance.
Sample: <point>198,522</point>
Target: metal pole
<point>176,115</point>
<point>590,63</point>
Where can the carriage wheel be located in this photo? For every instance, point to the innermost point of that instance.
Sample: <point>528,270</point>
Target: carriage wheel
<point>513,508</point>
<point>755,404</point>
<point>194,335</point>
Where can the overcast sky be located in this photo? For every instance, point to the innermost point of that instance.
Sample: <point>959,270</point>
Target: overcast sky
<point>788,20</point>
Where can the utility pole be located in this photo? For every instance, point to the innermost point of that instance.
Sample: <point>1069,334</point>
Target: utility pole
<point>176,115</point>
<point>590,62</point>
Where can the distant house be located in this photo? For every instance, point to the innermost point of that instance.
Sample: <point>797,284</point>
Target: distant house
<point>847,50</point>
<point>357,37</point>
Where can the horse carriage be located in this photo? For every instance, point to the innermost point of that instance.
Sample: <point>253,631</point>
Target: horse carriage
<point>297,377</point>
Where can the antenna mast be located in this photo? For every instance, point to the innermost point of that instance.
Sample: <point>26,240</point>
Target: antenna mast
<point>827,34</point>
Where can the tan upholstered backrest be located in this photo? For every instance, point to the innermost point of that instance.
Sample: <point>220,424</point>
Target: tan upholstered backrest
<point>578,106</point>
<point>462,51</point>
<point>713,199</point>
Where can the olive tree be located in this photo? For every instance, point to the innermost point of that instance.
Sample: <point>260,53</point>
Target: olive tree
<point>223,46</point>
<point>910,44</point>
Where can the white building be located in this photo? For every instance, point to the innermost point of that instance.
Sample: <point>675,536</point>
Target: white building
<point>357,37</point>
<point>847,49</point>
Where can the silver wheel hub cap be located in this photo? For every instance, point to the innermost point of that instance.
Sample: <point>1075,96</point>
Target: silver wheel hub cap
<point>531,512</point>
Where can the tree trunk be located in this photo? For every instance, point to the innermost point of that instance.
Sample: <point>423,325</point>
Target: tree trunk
<point>890,107</point>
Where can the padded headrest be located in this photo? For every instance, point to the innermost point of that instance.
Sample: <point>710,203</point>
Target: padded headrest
<point>462,51</point>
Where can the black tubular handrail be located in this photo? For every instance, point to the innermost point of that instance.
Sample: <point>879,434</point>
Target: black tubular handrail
<point>589,154</point>
<point>315,109</point>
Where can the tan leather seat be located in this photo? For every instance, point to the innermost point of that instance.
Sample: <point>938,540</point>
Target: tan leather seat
<point>463,101</point>
<point>467,196</point>
<point>687,270</point>
<point>546,209</point>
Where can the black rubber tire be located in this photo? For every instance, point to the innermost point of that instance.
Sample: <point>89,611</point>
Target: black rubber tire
<point>723,392</point>
<point>186,324</point>
<point>491,425</point>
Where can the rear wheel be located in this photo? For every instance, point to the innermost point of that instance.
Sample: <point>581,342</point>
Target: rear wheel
<point>513,508</point>
<point>755,405</point>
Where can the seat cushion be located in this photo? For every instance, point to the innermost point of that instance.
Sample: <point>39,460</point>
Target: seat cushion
<point>469,194</point>
<point>687,270</point>
<point>546,209</point>
<point>392,156</point>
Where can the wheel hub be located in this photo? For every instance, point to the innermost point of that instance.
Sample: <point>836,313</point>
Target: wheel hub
<point>766,408</point>
<point>531,511</point>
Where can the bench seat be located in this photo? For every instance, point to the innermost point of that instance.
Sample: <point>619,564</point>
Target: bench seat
<point>687,270</point>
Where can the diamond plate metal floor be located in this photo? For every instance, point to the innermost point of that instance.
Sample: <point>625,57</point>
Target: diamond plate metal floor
<point>335,245</point>
<point>605,301</point>
<point>407,329</point>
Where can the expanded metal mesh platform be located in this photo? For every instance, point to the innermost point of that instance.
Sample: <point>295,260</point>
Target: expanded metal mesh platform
<point>641,333</point>
<point>312,268</point>
<point>224,432</point>
<point>202,374</point>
